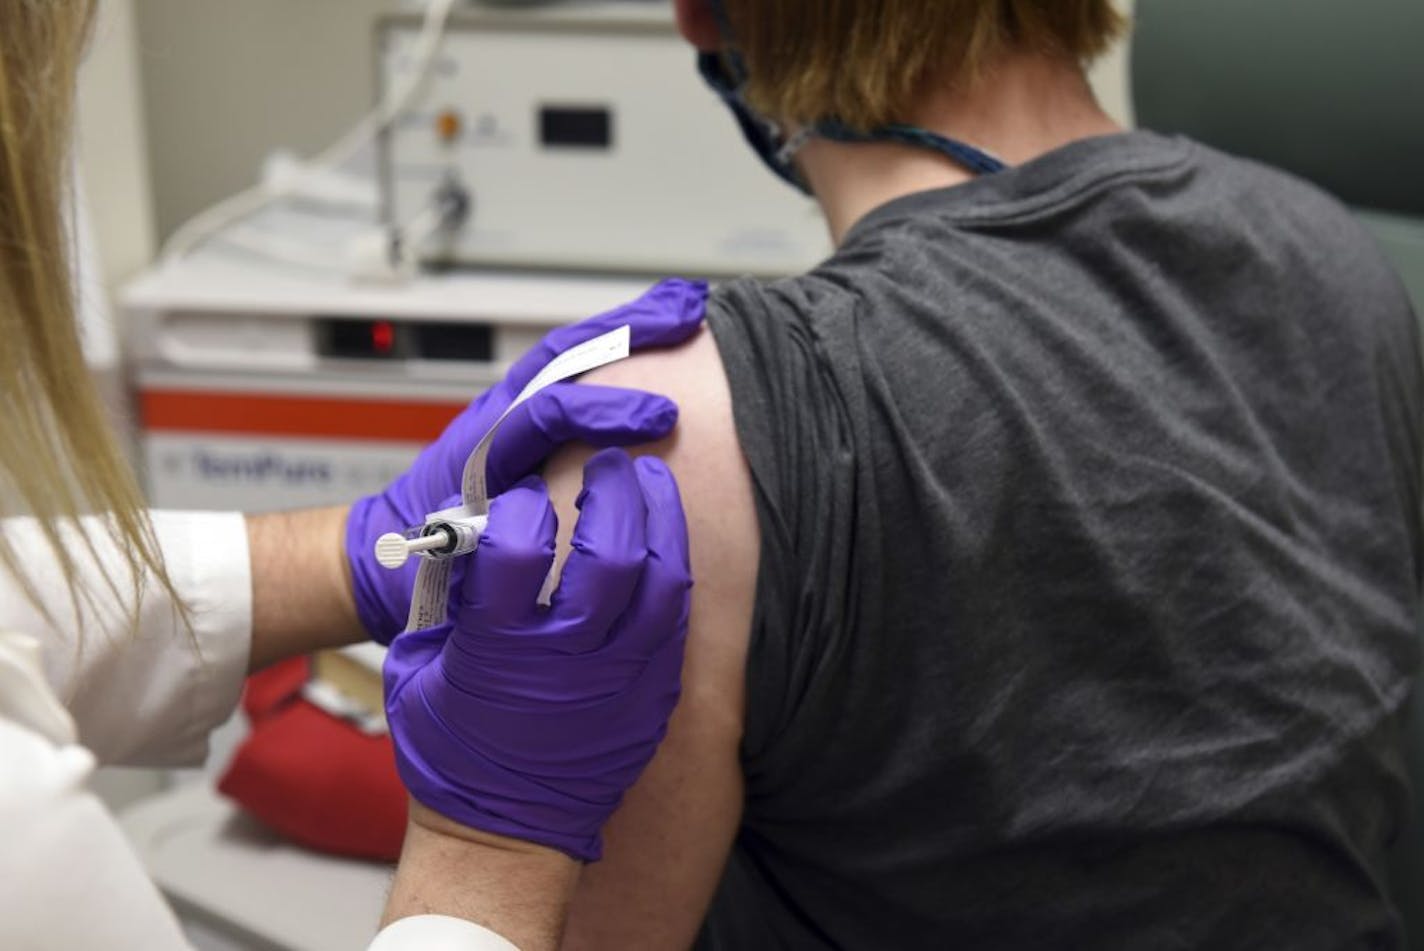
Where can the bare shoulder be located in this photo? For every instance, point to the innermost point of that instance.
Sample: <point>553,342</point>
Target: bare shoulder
<point>659,870</point>
<point>693,377</point>
<point>705,457</point>
<point>712,476</point>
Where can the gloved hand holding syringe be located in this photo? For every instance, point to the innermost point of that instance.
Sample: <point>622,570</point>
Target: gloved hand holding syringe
<point>522,711</point>
<point>666,315</point>
<point>496,686</point>
<point>456,531</point>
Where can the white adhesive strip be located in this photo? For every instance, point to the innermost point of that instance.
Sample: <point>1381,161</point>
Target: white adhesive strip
<point>432,580</point>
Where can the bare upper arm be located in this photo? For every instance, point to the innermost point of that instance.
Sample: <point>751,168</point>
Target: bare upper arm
<point>667,843</point>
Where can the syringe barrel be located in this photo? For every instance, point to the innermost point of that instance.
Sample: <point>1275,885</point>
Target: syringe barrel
<point>464,533</point>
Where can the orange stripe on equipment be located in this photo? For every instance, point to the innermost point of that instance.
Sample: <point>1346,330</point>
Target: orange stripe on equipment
<point>266,415</point>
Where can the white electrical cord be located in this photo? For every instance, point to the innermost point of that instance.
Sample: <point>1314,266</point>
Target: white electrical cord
<point>275,247</point>
<point>363,257</point>
<point>205,224</point>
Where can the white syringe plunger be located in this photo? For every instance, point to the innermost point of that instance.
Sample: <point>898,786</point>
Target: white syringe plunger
<point>394,549</point>
<point>440,538</point>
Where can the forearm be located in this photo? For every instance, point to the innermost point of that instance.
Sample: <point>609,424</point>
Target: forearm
<point>301,585</point>
<point>517,889</point>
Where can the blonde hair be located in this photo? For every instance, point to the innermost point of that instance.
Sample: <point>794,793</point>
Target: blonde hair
<point>863,61</point>
<point>58,457</point>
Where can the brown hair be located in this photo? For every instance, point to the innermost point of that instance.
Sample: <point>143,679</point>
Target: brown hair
<point>862,61</point>
<point>58,456</point>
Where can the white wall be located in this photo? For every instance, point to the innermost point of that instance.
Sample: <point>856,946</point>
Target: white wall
<point>1110,78</point>
<point>113,159</point>
<point>226,81</point>
<point>115,213</point>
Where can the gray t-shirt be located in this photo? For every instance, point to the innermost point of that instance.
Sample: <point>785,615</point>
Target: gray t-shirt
<point>1090,504</point>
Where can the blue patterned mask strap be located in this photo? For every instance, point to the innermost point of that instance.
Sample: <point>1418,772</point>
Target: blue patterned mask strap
<point>970,157</point>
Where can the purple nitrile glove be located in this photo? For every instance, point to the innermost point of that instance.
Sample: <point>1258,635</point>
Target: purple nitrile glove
<point>667,314</point>
<point>532,722</point>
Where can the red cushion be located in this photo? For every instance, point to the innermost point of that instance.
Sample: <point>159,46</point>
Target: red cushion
<point>269,690</point>
<point>319,781</point>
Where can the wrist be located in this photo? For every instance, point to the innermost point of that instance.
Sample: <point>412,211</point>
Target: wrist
<point>518,889</point>
<point>343,581</point>
<point>491,798</point>
<point>333,620</point>
<point>439,824</point>
<point>301,586</point>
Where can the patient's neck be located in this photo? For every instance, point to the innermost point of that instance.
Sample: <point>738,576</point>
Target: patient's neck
<point>1026,105</point>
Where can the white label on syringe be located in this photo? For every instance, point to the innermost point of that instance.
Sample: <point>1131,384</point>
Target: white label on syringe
<point>432,591</point>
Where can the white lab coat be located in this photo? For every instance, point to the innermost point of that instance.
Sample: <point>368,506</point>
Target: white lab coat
<point>82,688</point>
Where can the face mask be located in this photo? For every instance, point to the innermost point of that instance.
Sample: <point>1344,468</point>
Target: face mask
<point>726,74</point>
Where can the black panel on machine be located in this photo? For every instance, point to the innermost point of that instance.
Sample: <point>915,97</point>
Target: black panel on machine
<point>365,338</point>
<point>454,341</point>
<point>582,127</point>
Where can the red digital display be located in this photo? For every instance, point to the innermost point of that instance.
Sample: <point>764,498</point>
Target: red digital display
<point>364,338</point>
<point>383,337</point>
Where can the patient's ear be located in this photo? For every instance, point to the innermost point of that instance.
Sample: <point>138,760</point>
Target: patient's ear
<point>698,25</point>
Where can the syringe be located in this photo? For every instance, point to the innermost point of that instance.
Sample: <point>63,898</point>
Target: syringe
<point>440,538</point>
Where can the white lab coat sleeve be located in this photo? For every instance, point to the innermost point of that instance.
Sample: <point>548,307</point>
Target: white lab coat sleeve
<point>70,879</point>
<point>145,693</point>
<point>437,933</point>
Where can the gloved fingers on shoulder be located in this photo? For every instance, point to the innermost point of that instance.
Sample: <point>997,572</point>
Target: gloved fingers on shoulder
<point>666,314</point>
<point>669,313</point>
<point>667,522</point>
<point>609,553</point>
<point>575,412</point>
<point>500,590</point>
<point>659,609</point>
<point>601,415</point>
